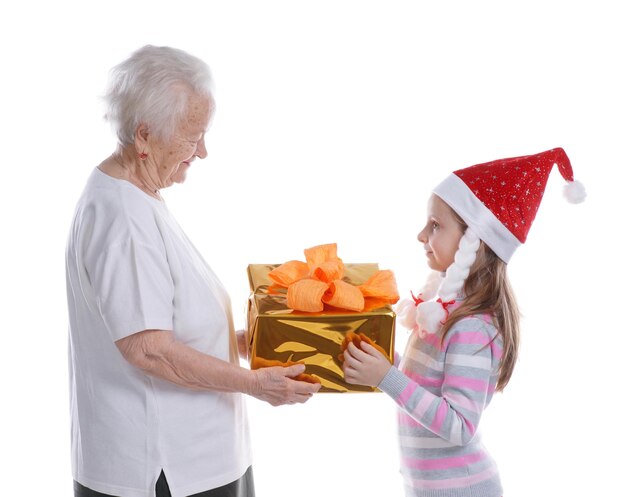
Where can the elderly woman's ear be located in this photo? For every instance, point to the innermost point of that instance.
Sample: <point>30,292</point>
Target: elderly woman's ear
<point>141,138</point>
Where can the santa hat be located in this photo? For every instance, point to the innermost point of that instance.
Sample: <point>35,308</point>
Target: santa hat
<point>498,201</point>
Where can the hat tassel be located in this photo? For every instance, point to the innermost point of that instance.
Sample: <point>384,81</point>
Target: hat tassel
<point>574,192</point>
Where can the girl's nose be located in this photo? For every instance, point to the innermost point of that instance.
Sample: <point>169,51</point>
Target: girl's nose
<point>421,236</point>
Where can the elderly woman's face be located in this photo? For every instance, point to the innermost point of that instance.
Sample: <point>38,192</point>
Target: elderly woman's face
<point>174,157</point>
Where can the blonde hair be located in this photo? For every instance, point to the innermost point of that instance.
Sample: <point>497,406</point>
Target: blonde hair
<point>487,290</point>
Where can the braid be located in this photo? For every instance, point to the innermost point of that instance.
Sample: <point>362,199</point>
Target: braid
<point>459,270</point>
<point>426,315</point>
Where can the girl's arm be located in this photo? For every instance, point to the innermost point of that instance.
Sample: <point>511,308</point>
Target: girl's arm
<point>465,378</point>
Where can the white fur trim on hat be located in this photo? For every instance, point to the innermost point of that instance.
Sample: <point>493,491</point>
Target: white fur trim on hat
<point>454,192</point>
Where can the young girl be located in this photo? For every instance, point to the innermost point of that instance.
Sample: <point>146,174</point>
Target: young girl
<point>465,324</point>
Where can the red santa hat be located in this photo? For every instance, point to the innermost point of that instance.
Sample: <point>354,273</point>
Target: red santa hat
<point>499,199</point>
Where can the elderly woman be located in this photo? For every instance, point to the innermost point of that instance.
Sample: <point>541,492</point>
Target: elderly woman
<point>156,387</point>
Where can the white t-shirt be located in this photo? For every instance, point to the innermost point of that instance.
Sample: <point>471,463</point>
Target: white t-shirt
<point>130,268</point>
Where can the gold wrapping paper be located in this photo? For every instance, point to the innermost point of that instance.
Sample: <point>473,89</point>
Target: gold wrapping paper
<point>278,333</point>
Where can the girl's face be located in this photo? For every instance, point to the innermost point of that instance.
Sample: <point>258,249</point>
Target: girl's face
<point>441,235</point>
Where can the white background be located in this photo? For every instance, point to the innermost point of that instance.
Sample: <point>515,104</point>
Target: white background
<point>334,120</point>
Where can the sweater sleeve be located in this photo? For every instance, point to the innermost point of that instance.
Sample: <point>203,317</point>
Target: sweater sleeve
<point>448,398</point>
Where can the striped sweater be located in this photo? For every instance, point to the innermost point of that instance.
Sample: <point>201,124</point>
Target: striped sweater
<point>441,391</point>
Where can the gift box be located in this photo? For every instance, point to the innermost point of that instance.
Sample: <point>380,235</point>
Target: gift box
<point>280,335</point>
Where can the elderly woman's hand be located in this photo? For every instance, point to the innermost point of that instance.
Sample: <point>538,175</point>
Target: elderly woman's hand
<point>277,386</point>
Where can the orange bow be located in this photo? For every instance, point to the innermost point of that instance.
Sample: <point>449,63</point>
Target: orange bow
<point>318,281</point>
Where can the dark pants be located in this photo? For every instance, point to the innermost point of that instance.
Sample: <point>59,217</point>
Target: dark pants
<point>243,487</point>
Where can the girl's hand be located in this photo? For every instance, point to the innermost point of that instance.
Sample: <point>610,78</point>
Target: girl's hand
<point>364,366</point>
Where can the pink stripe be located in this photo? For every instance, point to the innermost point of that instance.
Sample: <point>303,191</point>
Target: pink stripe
<point>440,416</point>
<point>454,482</point>
<point>470,427</point>
<point>445,463</point>
<point>486,318</point>
<point>457,427</point>
<point>405,420</point>
<point>432,339</point>
<point>423,405</point>
<point>407,392</point>
<point>425,381</point>
<point>471,337</point>
<point>466,383</point>
<point>496,350</point>
<point>463,402</point>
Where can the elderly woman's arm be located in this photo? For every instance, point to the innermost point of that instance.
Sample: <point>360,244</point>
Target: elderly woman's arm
<point>157,353</point>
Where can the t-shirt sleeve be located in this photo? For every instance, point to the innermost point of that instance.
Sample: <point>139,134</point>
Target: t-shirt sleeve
<point>134,288</point>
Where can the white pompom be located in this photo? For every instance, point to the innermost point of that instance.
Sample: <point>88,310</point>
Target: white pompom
<point>429,316</point>
<point>429,290</point>
<point>406,311</point>
<point>574,192</point>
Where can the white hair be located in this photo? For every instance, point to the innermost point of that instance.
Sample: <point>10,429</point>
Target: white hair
<point>151,87</point>
<point>425,315</point>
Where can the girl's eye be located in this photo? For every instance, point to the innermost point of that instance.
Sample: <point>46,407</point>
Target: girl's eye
<point>435,225</point>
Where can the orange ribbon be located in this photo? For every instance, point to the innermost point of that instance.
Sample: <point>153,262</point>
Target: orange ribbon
<point>318,281</point>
